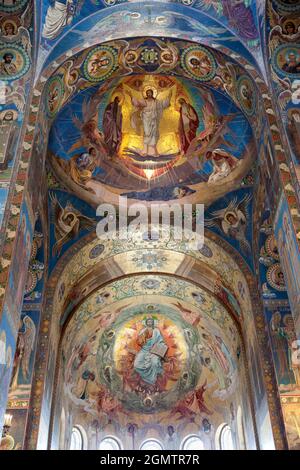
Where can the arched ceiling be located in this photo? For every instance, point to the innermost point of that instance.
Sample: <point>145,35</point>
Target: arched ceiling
<point>81,271</point>
<point>181,168</point>
<point>92,52</point>
<point>110,383</point>
<point>216,20</point>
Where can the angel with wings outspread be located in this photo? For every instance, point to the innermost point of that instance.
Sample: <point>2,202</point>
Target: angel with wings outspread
<point>25,347</point>
<point>68,223</point>
<point>232,221</point>
<point>282,31</point>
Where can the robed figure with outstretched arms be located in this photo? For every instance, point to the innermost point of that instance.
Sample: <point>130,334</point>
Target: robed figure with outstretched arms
<point>149,111</point>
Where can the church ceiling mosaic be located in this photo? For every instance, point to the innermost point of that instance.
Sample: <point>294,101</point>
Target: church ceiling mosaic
<point>196,17</point>
<point>218,271</point>
<point>283,29</point>
<point>166,131</point>
<point>165,101</point>
<point>198,350</point>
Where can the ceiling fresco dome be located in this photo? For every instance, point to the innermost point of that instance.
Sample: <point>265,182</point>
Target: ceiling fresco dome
<point>149,358</point>
<point>146,352</point>
<point>151,120</point>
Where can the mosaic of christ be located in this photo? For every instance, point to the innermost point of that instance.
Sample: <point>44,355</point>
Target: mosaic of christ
<point>152,137</point>
<point>149,354</point>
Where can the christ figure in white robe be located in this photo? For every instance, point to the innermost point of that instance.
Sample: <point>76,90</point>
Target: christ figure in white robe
<point>149,110</point>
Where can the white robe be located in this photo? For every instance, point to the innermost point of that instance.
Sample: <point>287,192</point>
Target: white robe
<point>151,114</point>
<point>56,19</point>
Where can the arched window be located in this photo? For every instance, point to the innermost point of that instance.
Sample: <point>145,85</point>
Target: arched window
<point>192,442</point>
<point>151,444</point>
<point>110,443</point>
<point>76,439</point>
<point>224,439</point>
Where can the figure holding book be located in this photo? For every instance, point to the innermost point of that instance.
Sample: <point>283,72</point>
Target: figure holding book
<point>148,361</point>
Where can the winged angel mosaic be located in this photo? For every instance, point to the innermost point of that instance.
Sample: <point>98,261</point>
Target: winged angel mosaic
<point>232,221</point>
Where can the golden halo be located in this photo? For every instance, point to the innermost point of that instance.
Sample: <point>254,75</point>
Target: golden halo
<point>9,21</point>
<point>289,20</point>
<point>149,87</point>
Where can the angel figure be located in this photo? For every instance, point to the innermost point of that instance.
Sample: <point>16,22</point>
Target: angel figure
<point>283,31</point>
<point>211,121</point>
<point>11,35</point>
<point>24,349</point>
<point>68,223</point>
<point>232,221</point>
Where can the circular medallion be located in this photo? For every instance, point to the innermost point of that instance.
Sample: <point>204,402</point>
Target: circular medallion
<point>199,63</point>
<point>54,95</point>
<point>286,60</point>
<point>96,251</point>
<point>271,247</point>
<point>9,26</point>
<point>275,277</point>
<point>7,443</point>
<point>100,63</point>
<point>246,95</point>
<point>14,62</point>
<point>134,357</point>
<point>288,5</point>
